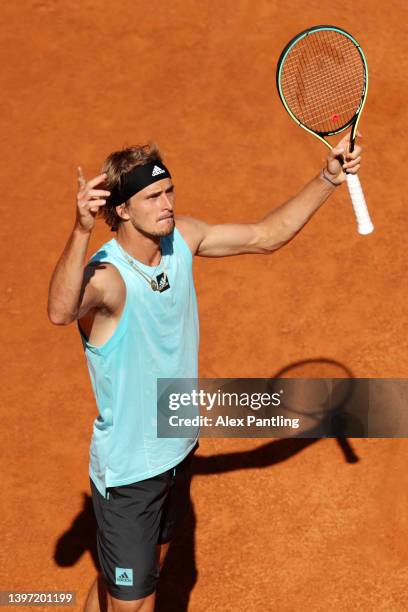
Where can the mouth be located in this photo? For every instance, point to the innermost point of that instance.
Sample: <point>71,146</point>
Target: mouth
<point>165,218</point>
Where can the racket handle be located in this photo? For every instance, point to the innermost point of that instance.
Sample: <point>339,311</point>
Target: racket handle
<point>364,223</point>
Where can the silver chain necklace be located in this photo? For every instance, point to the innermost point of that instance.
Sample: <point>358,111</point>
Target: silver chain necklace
<point>157,284</point>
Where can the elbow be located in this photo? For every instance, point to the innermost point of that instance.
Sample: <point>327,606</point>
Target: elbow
<point>274,247</point>
<point>268,249</point>
<point>286,234</point>
<point>56,318</point>
<point>270,240</point>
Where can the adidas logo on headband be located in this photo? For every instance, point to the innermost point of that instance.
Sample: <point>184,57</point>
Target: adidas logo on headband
<point>157,170</point>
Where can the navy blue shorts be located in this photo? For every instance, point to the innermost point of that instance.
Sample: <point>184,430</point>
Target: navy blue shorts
<point>132,520</point>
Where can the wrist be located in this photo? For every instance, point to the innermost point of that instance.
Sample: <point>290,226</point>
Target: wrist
<point>324,175</point>
<point>81,231</point>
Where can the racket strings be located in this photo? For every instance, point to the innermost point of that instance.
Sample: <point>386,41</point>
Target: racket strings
<point>323,80</point>
<point>320,92</point>
<point>323,67</point>
<point>323,84</point>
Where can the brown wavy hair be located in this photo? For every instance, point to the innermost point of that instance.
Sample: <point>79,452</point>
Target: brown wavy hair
<point>119,163</point>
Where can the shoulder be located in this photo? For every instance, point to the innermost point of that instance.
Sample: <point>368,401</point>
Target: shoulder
<point>102,272</point>
<point>192,230</point>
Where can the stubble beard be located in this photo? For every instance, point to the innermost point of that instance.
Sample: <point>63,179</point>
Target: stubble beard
<point>158,234</point>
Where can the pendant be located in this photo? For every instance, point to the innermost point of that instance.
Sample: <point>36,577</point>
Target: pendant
<point>154,285</point>
<point>162,282</point>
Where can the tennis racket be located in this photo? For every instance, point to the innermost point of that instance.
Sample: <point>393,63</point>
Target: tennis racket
<point>322,80</point>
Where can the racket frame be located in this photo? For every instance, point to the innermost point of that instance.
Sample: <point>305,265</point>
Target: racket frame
<point>354,120</point>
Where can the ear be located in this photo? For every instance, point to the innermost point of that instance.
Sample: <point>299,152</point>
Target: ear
<point>121,211</point>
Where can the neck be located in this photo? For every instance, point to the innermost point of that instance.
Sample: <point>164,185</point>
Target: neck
<point>144,248</point>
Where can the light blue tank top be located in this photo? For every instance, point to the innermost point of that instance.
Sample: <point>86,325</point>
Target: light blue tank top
<point>157,337</point>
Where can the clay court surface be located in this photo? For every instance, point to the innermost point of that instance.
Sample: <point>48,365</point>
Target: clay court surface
<point>278,525</point>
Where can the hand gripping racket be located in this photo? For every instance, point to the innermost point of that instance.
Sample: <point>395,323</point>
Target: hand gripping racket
<point>322,80</point>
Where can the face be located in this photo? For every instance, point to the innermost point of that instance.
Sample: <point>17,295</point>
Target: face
<point>150,211</point>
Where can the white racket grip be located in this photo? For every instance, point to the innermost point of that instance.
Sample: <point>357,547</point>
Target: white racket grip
<point>364,223</point>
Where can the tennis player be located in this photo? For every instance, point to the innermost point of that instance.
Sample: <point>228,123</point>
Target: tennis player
<point>135,306</point>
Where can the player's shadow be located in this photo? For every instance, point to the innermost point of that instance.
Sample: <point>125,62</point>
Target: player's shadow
<point>78,538</point>
<point>179,573</point>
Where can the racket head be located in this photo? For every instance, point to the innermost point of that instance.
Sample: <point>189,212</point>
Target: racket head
<point>322,80</point>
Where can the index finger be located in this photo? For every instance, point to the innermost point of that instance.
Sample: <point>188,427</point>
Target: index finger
<point>81,178</point>
<point>347,139</point>
<point>98,179</point>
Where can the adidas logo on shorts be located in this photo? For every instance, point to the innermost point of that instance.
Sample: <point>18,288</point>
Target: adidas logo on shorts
<point>124,576</point>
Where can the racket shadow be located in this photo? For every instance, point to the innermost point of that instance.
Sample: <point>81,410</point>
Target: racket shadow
<point>332,408</point>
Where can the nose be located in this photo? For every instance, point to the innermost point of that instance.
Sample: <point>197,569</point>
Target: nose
<point>167,203</point>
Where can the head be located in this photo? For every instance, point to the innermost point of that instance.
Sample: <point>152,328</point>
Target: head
<point>150,209</point>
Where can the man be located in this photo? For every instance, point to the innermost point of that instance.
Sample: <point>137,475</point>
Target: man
<point>136,309</point>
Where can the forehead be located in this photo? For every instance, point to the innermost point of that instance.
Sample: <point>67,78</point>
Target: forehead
<point>161,185</point>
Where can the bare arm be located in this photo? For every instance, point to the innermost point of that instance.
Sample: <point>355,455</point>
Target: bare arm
<point>280,225</point>
<point>74,288</point>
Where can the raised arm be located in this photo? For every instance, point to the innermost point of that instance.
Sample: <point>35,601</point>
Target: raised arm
<point>74,289</point>
<point>281,224</point>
